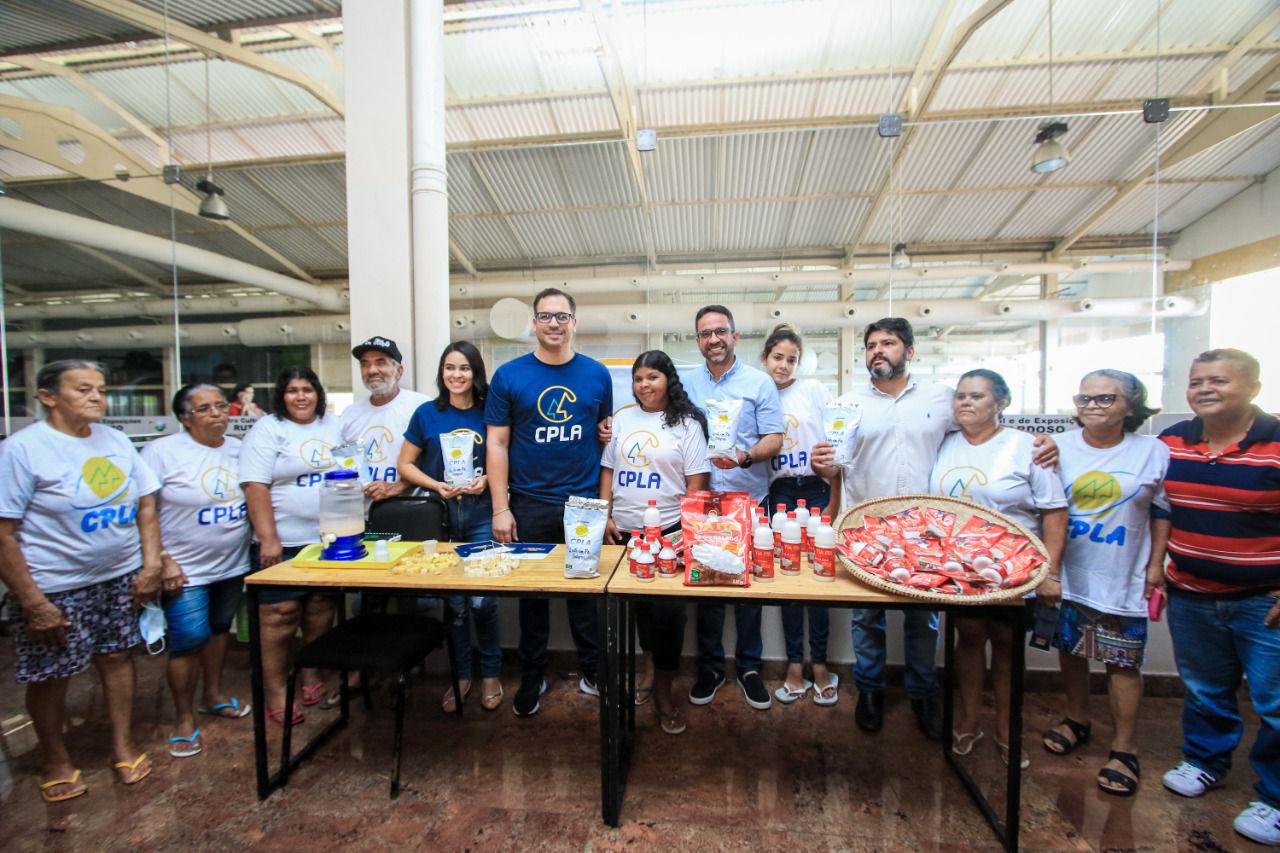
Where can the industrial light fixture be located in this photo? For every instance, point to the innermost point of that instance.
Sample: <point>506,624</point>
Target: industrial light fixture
<point>213,206</point>
<point>900,260</point>
<point>3,190</point>
<point>1049,155</point>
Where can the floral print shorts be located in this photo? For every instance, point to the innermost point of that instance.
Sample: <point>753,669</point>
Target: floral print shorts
<point>103,620</point>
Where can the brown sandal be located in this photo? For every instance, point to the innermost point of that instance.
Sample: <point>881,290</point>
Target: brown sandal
<point>492,701</point>
<point>447,702</point>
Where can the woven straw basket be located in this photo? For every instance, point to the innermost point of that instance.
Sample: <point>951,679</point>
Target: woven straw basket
<point>964,510</point>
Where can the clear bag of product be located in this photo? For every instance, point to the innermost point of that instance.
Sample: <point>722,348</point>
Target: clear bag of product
<point>722,428</point>
<point>840,422</point>
<point>584,524</point>
<point>455,450</point>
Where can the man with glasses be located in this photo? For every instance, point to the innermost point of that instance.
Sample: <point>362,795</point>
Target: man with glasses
<point>903,423</point>
<point>760,430</point>
<point>542,413</point>
<point>378,423</point>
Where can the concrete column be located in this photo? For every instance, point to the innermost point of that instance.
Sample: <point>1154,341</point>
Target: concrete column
<point>376,59</point>
<point>429,181</point>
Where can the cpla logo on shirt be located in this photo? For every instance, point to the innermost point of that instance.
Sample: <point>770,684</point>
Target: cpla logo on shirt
<point>553,406</point>
<point>375,441</point>
<point>789,440</point>
<point>1094,495</point>
<point>958,481</point>
<point>219,484</point>
<point>315,453</point>
<point>108,485</point>
<point>634,446</point>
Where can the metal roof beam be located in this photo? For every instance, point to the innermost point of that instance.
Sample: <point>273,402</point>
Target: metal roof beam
<point>909,106</point>
<point>461,258</point>
<point>1213,128</point>
<point>1223,66</point>
<point>305,34</point>
<point>626,109</point>
<point>147,19</point>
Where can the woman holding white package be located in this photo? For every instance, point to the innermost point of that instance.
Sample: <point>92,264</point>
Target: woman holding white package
<point>444,452</point>
<point>792,480</point>
<point>658,452</point>
<point>991,465</point>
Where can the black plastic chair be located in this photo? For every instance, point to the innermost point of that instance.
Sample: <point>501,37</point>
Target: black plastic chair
<point>381,643</point>
<point>416,518</point>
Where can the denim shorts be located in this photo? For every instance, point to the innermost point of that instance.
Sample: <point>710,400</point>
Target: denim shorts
<point>1088,633</point>
<point>102,620</point>
<point>199,612</point>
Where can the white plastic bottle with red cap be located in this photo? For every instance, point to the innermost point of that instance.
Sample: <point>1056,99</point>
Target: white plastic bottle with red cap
<point>792,541</point>
<point>666,558</point>
<point>652,522</point>
<point>645,564</point>
<point>824,551</point>
<point>810,533</point>
<point>762,554</point>
<point>779,518</point>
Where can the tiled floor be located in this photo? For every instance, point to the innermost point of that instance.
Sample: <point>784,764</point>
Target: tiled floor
<point>793,778</point>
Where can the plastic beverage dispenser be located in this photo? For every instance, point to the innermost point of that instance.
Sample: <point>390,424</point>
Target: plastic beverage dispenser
<point>342,516</point>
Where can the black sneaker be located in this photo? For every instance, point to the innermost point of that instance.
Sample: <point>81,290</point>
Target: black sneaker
<point>704,689</point>
<point>928,713</point>
<point>753,690</point>
<point>589,685</point>
<point>532,686</point>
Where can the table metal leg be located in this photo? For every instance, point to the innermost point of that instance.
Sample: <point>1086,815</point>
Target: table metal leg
<point>609,690</point>
<point>1013,793</point>
<point>259,698</point>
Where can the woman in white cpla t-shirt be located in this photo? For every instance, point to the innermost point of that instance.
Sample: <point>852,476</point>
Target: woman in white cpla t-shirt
<point>1114,559</point>
<point>204,527</point>
<point>791,479</point>
<point>79,551</point>
<point>658,451</point>
<point>991,465</point>
<point>282,465</point>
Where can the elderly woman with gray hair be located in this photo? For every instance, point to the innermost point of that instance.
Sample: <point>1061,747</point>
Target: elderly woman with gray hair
<point>1114,560</point>
<point>79,552</point>
<point>204,527</point>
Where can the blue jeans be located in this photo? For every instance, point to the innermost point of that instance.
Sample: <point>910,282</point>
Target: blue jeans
<point>1215,642</point>
<point>471,520</point>
<point>815,492</point>
<point>539,521</point>
<point>199,612</point>
<point>921,635</point>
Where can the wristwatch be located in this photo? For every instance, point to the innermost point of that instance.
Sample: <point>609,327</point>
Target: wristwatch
<point>746,463</point>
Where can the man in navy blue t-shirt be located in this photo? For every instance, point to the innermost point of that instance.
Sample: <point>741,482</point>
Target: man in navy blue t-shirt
<point>541,417</point>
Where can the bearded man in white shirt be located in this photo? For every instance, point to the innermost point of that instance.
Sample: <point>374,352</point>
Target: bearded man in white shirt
<point>904,421</point>
<point>379,423</point>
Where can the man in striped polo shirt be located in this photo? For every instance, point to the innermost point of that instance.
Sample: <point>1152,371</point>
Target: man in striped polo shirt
<point>1224,580</point>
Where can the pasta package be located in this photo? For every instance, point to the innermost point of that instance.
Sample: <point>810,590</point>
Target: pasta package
<point>716,532</point>
<point>584,524</point>
<point>722,428</point>
<point>455,450</point>
<point>840,422</point>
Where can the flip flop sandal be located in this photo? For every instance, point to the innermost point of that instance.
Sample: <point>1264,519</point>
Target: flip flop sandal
<point>492,701</point>
<point>1023,762</point>
<point>643,695</point>
<point>78,789</point>
<point>237,710</point>
<point>673,723</point>
<point>786,695</point>
<point>312,694</point>
<point>1128,784</point>
<point>132,765</point>
<point>828,695</point>
<point>192,745</point>
<point>276,715</point>
<point>962,742</point>
<point>1061,744</point>
<point>447,703</point>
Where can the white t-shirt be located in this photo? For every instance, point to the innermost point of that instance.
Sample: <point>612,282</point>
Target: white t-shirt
<point>380,432</point>
<point>898,439</point>
<point>204,523</point>
<point>77,499</point>
<point>998,474</point>
<point>1110,492</point>
<point>803,406</point>
<point>291,458</point>
<point>650,460</point>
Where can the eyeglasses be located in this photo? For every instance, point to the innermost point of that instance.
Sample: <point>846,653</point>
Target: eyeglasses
<point>212,407</point>
<point>1102,401</point>
<point>560,317</point>
<point>707,334</point>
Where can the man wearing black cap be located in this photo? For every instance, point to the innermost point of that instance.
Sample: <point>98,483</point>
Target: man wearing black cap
<point>378,423</point>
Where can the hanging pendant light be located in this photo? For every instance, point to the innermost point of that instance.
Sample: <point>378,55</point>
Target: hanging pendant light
<point>1050,155</point>
<point>214,205</point>
<point>901,260</point>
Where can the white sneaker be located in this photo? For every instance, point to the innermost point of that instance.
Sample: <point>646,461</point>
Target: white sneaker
<point>1260,823</point>
<point>1188,780</point>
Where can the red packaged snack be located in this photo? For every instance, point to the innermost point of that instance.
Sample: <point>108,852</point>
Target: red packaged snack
<point>716,531</point>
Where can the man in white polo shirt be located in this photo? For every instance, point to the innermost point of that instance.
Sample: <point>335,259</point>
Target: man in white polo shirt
<point>379,423</point>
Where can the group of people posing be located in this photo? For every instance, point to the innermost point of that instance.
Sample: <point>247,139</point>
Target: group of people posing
<point>90,530</point>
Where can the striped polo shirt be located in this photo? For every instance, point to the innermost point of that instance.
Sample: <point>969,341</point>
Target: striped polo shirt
<point>1225,509</point>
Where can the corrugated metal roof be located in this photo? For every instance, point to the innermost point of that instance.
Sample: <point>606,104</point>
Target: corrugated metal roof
<point>969,217</point>
<point>825,223</point>
<point>1136,213</point>
<point>1202,200</point>
<point>23,25</point>
<point>1254,152</point>
<point>1050,213</point>
<point>847,160</point>
<point>485,240</point>
<point>281,195</point>
<point>684,229</point>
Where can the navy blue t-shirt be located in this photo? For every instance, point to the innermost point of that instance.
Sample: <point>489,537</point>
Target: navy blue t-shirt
<point>428,423</point>
<point>552,410</point>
